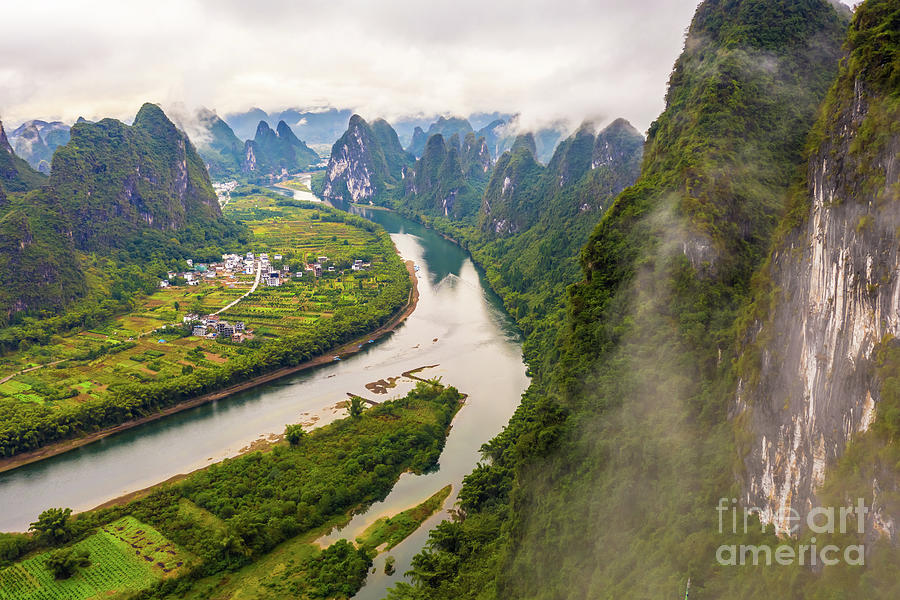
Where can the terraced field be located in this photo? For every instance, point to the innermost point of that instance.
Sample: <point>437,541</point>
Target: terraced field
<point>150,343</point>
<point>125,555</point>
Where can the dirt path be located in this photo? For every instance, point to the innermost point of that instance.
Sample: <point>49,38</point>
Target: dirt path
<point>7,464</point>
<point>252,289</point>
<point>29,369</point>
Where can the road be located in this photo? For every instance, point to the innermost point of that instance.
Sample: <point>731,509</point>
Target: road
<point>252,289</point>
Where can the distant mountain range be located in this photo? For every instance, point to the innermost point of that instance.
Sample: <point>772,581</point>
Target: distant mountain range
<point>314,127</point>
<point>36,140</point>
<point>16,175</point>
<point>267,153</point>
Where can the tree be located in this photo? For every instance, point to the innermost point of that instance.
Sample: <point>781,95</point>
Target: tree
<point>52,526</point>
<point>294,434</point>
<point>62,563</point>
<point>356,407</point>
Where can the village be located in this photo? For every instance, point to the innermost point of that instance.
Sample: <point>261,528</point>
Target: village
<point>272,272</point>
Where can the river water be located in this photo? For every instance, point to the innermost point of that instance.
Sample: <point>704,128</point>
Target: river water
<point>458,325</point>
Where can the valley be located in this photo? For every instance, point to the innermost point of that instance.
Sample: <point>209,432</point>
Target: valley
<point>164,338</point>
<point>458,325</point>
<point>414,340</point>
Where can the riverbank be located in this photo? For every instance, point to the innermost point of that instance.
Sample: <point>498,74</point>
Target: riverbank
<point>348,349</point>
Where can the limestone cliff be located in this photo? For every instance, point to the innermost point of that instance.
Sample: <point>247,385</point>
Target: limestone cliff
<point>834,290</point>
<point>366,163</point>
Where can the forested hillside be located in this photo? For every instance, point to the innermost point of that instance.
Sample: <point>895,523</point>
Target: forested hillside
<point>534,220</point>
<point>217,144</point>
<point>449,178</point>
<point>130,193</point>
<point>606,481</point>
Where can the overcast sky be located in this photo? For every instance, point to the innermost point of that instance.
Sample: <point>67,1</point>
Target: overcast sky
<point>547,59</point>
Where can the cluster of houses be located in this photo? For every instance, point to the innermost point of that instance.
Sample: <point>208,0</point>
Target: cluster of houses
<point>319,267</point>
<point>223,191</point>
<point>230,266</point>
<point>211,326</point>
<point>235,264</point>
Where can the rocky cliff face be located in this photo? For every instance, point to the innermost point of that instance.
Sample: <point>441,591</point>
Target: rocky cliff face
<point>366,163</point>
<point>835,281</point>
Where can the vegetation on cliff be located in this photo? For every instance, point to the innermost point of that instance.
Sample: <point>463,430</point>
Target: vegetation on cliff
<point>607,478</point>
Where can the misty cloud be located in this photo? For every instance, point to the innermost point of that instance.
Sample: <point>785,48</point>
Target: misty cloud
<point>547,60</point>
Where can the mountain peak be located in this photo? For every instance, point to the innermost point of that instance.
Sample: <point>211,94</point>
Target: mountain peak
<point>526,141</point>
<point>263,129</point>
<point>356,121</point>
<point>151,115</point>
<point>284,131</point>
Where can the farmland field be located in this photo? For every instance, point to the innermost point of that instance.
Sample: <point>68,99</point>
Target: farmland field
<point>149,342</point>
<point>106,374</point>
<point>126,555</point>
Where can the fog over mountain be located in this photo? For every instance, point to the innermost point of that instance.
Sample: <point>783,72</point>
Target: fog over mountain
<point>399,58</point>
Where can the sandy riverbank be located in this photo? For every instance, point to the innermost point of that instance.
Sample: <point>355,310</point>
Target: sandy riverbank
<point>350,348</point>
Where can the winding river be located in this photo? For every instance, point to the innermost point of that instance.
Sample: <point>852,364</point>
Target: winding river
<point>458,325</point>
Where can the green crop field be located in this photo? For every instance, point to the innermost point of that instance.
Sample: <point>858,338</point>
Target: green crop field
<point>137,347</point>
<point>125,556</point>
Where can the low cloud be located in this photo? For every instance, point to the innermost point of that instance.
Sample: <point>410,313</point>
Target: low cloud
<point>546,61</point>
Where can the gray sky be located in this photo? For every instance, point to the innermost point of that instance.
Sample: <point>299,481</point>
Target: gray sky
<point>549,60</point>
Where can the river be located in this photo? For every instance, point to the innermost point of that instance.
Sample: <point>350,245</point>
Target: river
<point>458,325</point>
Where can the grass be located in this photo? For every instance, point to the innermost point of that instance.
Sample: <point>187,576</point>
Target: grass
<point>264,578</point>
<point>125,555</point>
<point>393,530</point>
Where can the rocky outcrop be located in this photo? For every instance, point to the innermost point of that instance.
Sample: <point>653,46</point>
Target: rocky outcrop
<point>835,286</point>
<point>366,162</point>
